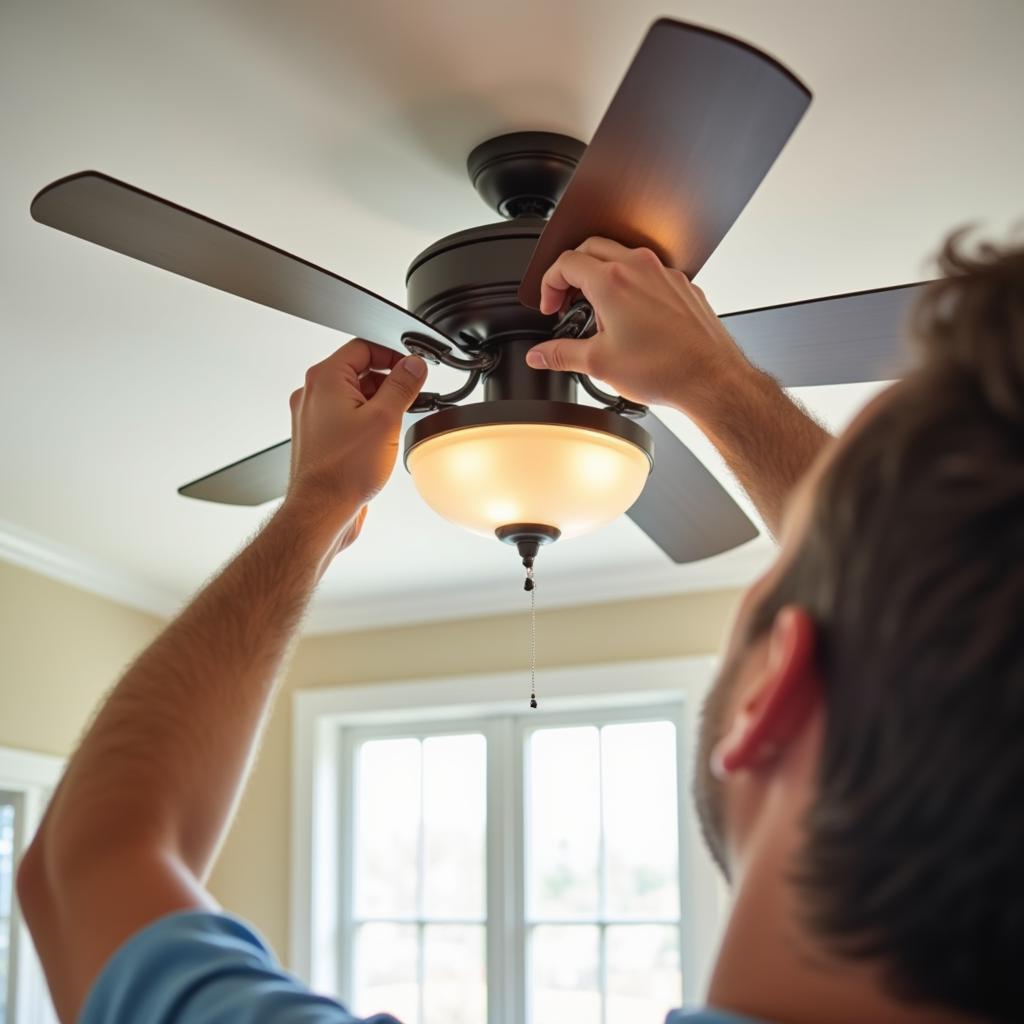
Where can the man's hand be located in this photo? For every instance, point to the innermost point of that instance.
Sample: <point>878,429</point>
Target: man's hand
<point>658,340</point>
<point>346,423</point>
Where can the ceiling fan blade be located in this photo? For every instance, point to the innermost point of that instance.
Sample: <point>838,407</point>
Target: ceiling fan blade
<point>696,124</point>
<point>250,481</point>
<point>840,339</point>
<point>121,217</point>
<point>683,508</point>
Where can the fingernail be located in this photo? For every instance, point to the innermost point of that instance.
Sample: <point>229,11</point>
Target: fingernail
<point>414,366</point>
<point>536,359</point>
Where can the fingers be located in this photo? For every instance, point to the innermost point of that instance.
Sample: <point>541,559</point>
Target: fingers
<point>370,382</point>
<point>356,362</point>
<point>357,356</point>
<point>573,269</point>
<point>400,387</point>
<point>604,249</point>
<point>567,354</point>
<point>585,268</point>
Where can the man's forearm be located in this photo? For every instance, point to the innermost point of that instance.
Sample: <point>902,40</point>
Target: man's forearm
<point>165,758</point>
<point>136,821</point>
<point>766,439</point>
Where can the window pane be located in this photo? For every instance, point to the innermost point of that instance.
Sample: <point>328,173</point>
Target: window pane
<point>454,822</point>
<point>564,822</point>
<point>640,819</point>
<point>386,961</point>
<point>7,817</point>
<point>644,978</point>
<point>564,975</point>
<point>455,975</point>
<point>387,828</point>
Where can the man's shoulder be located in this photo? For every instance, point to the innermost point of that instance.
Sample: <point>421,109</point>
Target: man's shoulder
<point>196,966</point>
<point>708,1015</point>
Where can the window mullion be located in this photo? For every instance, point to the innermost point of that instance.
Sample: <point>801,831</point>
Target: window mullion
<point>498,917</point>
<point>602,968</point>
<point>420,968</point>
<point>602,881</point>
<point>688,937</point>
<point>421,859</point>
<point>345,891</point>
<point>518,1005</point>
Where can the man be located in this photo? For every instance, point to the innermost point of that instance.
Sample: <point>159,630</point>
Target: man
<point>861,767</point>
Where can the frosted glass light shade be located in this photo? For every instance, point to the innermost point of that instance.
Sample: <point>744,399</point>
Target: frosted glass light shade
<point>571,478</point>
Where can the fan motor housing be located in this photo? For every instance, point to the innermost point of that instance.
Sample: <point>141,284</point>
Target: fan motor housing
<point>466,285</point>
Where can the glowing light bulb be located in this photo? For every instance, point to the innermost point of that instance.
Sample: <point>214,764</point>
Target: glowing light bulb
<point>572,478</point>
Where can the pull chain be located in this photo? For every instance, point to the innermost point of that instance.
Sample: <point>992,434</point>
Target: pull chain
<point>531,586</point>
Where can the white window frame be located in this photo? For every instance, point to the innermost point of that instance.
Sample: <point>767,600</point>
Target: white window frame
<point>322,801</point>
<point>33,777</point>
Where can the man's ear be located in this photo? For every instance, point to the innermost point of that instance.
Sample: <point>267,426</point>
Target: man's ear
<point>779,701</point>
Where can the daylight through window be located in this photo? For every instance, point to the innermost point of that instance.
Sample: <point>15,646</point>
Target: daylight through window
<point>532,860</point>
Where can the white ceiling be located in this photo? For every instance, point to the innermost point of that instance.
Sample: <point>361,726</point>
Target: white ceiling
<point>339,131</point>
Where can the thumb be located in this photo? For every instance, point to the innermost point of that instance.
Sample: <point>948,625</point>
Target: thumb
<point>569,354</point>
<point>401,386</point>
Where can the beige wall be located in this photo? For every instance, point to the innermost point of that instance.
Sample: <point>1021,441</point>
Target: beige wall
<point>60,650</point>
<point>252,874</point>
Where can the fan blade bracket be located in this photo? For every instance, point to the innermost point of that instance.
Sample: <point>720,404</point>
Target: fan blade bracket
<point>440,354</point>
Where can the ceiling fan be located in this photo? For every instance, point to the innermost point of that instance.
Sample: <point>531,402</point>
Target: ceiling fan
<point>695,125</point>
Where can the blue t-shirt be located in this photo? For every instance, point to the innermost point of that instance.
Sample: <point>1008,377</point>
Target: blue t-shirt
<point>196,967</point>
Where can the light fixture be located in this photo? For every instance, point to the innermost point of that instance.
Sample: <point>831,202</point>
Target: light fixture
<point>528,471</point>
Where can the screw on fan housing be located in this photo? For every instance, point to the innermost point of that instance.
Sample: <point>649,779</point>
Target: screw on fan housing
<point>578,321</point>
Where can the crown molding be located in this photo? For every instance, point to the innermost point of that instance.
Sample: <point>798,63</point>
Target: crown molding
<point>735,569</point>
<point>66,565</point>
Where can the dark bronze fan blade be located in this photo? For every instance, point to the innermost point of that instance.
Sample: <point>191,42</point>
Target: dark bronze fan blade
<point>841,339</point>
<point>696,124</point>
<point>121,217</point>
<point>250,481</point>
<point>683,508</point>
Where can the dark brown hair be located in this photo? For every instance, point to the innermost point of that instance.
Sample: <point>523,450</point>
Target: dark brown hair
<point>913,569</point>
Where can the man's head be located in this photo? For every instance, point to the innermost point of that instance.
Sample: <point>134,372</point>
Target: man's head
<point>872,699</point>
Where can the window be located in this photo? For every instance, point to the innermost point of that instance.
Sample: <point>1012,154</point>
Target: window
<point>10,821</point>
<point>462,862</point>
<point>26,781</point>
<point>417,935</point>
<point>602,880</point>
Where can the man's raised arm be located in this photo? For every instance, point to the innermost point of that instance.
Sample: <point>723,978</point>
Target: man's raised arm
<point>660,343</point>
<point>138,816</point>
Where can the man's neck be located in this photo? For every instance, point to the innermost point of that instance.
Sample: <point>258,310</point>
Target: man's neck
<point>770,968</point>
